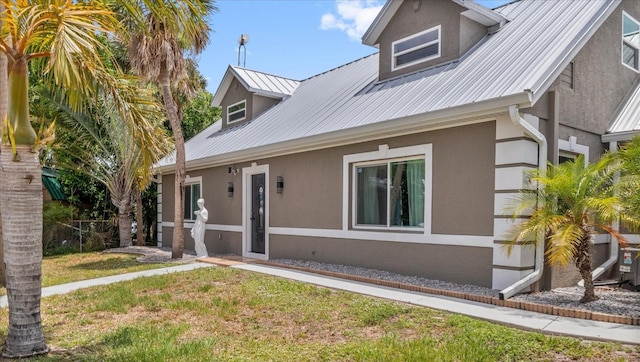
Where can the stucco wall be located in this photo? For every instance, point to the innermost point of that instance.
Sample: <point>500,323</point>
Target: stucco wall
<point>601,81</point>
<point>261,104</point>
<point>468,265</point>
<point>462,198</point>
<point>236,93</point>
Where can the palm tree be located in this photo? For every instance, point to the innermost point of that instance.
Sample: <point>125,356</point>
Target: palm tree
<point>101,146</point>
<point>4,90</point>
<point>575,200</point>
<point>172,29</point>
<point>61,39</point>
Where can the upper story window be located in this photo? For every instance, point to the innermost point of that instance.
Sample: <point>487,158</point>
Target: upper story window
<point>630,41</point>
<point>237,111</point>
<point>416,48</point>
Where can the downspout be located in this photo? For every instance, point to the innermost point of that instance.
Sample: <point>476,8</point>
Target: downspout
<point>530,131</point>
<point>613,244</point>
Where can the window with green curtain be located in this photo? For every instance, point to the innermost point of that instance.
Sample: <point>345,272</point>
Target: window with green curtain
<point>191,196</point>
<point>391,194</point>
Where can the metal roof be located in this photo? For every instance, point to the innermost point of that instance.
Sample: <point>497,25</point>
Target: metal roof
<point>256,82</point>
<point>627,120</point>
<point>515,65</point>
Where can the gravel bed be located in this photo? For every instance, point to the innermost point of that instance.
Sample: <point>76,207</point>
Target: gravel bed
<point>613,300</point>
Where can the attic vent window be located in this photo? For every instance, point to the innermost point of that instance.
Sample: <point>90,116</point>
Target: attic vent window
<point>416,48</point>
<point>236,112</point>
<point>630,41</point>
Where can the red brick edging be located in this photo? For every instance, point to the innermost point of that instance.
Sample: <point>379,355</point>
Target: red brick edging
<point>532,307</point>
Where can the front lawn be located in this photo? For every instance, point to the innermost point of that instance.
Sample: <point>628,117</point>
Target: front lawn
<point>227,314</point>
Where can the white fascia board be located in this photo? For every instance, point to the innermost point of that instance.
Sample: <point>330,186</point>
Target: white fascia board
<point>223,88</point>
<point>481,14</point>
<point>619,136</point>
<point>550,75</point>
<point>450,117</point>
<point>372,34</point>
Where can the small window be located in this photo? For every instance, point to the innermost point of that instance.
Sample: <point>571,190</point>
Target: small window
<point>570,149</point>
<point>630,41</point>
<point>236,112</point>
<point>191,195</point>
<point>391,194</point>
<point>416,48</point>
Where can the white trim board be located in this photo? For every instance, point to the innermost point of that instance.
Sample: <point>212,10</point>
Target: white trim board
<point>439,239</point>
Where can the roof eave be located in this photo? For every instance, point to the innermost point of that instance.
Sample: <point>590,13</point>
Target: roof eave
<point>444,118</point>
<point>223,87</point>
<point>619,136</point>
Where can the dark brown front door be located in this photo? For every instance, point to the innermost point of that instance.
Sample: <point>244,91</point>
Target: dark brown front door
<point>258,210</point>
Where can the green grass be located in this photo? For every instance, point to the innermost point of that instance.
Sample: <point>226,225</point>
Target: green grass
<point>222,314</point>
<point>62,269</point>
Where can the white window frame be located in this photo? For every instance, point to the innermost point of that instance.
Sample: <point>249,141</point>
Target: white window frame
<point>238,111</point>
<point>624,42</point>
<point>571,149</point>
<point>438,41</point>
<point>384,154</point>
<point>189,181</point>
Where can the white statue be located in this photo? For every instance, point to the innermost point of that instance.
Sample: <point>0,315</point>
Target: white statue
<point>197,232</point>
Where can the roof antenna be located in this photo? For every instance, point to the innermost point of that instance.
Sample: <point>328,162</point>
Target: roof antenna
<point>244,39</point>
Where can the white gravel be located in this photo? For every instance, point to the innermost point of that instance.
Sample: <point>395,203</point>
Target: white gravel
<point>613,300</point>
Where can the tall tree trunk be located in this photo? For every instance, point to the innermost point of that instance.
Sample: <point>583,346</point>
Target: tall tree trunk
<point>139,219</point>
<point>22,244</point>
<point>4,90</point>
<point>177,246</point>
<point>125,219</point>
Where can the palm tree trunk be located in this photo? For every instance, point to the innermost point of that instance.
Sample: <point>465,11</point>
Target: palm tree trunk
<point>21,192</point>
<point>4,90</point>
<point>139,219</point>
<point>583,262</point>
<point>124,221</point>
<point>177,246</point>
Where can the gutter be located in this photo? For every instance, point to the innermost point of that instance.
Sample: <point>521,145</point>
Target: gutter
<point>613,244</point>
<point>530,131</point>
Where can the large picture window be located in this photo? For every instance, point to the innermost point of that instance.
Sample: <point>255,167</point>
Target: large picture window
<point>391,193</point>
<point>416,48</point>
<point>630,41</point>
<point>191,195</point>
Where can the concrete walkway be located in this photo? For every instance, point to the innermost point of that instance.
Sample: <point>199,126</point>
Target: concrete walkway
<point>539,322</point>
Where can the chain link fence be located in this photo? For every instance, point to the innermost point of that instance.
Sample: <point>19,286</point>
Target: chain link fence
<point>79,235</point>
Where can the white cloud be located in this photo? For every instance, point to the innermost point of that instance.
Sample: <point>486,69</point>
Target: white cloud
<point>353,17</point>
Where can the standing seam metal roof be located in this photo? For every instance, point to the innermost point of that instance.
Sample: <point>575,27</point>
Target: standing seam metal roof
<point>524,56</point>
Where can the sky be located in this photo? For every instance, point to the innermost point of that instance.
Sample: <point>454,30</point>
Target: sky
<point>294,39</point>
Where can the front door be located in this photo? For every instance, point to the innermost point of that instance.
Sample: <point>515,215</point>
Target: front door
<point>258,210</point>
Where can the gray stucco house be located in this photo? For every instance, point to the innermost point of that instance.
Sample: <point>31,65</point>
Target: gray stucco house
<point>403,160</point>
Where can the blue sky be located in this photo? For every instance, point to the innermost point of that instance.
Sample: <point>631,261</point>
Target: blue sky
<point>290,38</point>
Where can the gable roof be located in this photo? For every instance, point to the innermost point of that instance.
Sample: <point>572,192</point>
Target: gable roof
<point>476,12</point>
<point>514,66</point>
<point>263,84</point>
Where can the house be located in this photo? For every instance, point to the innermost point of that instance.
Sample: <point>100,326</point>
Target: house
<point>403,160</point>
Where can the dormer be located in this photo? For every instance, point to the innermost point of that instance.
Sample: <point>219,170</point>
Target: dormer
<point>419,34</point>
<point>244,94</point>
